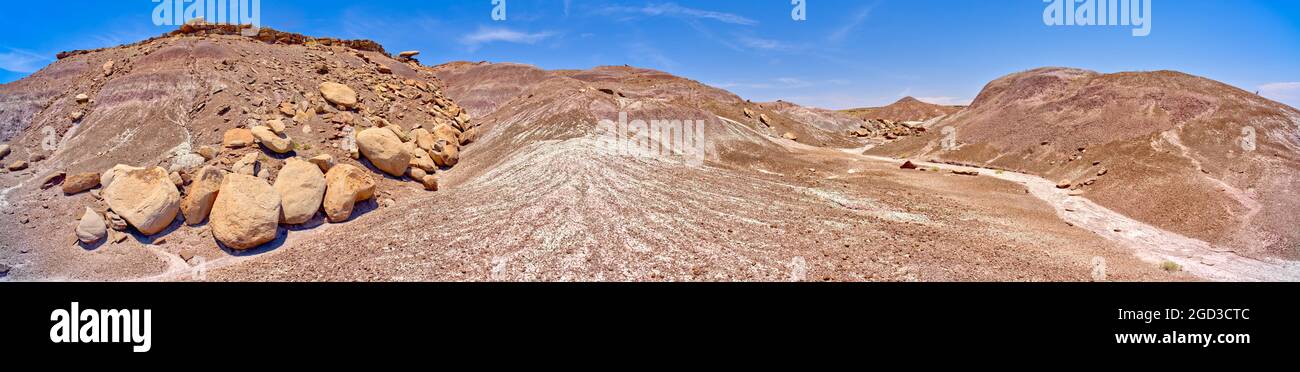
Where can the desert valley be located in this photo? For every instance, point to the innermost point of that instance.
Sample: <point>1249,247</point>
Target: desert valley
<point>204,154</point>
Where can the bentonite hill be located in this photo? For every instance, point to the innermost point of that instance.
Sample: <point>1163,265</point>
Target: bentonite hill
<point>208,155</point>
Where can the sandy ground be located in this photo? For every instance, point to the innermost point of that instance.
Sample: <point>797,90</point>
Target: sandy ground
<point>1152,244</point>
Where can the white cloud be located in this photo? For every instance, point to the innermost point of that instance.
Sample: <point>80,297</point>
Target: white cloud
<point>760,43</point>
<point>854,21</point>
<point>22,61</point>
<point>674,10</point>
<point>1287,92</point>
<point>487,35</point>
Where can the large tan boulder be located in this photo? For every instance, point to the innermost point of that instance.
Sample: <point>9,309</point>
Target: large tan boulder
<point>448,157</point>
<point>77,183</point>
<point>202,194</point>
<point>385,150</point>
<point>420,158</point>
<point>246,213</point>
<point>302,189</point>
<point>345,186</point>
<point>146,198</point>
<point>324,161</point>
<point>469,136</point>
<point>91,228</point>
<point>106,179</point>
<point>4,151</point>
<point>339,94</point>
<point>277,143</point>
<point>237,138</point>
<point>446,133</point>
<point>423,138</point>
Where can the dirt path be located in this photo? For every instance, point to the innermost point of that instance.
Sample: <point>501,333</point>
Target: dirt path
<point>1149,243</point>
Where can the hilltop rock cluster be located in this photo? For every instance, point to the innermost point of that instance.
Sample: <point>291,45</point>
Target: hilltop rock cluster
<point>887,129</point>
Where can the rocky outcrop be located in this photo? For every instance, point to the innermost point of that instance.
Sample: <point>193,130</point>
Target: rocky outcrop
<point>91,228</point>
<point>345,186</point>
<point>301,186</point>
<point>237,138</point>
<point>246,213</point>
<point>201,195</point>
<point>145,198</point>
<point>80,182</point>
<point>277,143</point>
<point>338,94</point>
<point>385,150</point>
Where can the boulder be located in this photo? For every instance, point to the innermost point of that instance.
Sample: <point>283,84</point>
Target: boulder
<point>420,158</point>
<point>92,227</point>
<point>82,98</point>
<point>447,133</point>
<point>276,143</point>
<point>53,180</point>
<point>448,157</point>
<point>765,120</point>
<point>430,182</point>
<point>276,125</point>
<point>423,138</point>
<point>339,94</point>
<point>385,150</point>
<point>208,152</point>
<point>249,165</point>
<point>186,163</point>
<point>4,151</point>
<point>749,113</point>
<point>246,213</point>
<point>417,174</point>
<point>17,166</point>
<point>1064,184</point>
<point>469,136</point>
<point>76,116</point>
<point>790,136</point>
<point>108,176</point>
<point>237,138</point>
<point>323,161</point>
<point>908,165</point>
<point>1102,172</point>
<point>145,198</point>
<point>202,193</point>
<point>80,182</point>
<point>107,68</point>
<point>177,179</point>
<point>345,186</point>
<point>409,54</point>
<point>301,186</point>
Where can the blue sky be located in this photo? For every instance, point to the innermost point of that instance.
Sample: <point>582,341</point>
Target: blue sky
<point>848,53</point>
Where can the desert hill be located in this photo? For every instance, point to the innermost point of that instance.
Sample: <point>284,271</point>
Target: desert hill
<point>198,98</point>
<point>905,109</point>
<point>1164,147</point>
